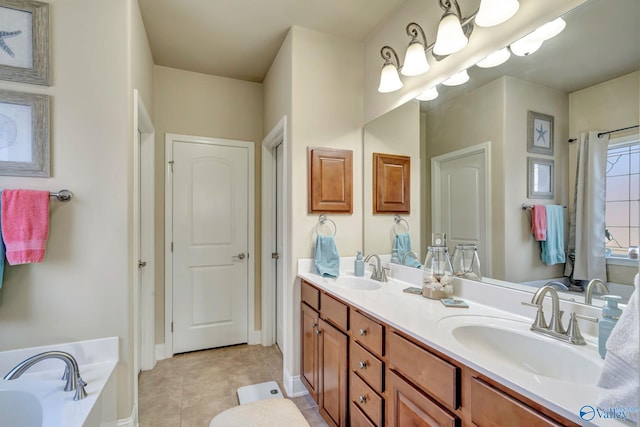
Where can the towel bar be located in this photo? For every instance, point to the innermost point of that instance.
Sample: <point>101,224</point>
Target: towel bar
<point>524,206</point>
<point>398,219</point>
<point>322,219</point>
<point>62,195</point>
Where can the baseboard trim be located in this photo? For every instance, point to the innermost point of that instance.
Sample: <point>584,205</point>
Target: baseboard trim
<point>160,353</point>
<point>131,421</point>
<point>255,337</point>
<point>293,385</point>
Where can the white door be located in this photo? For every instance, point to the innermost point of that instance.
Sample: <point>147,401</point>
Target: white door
<point>279,158</point>
<point>461,200</point>
<point>210,244</point>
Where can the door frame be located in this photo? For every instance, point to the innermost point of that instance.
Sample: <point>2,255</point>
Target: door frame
<point>143,192</point>
<point>170,138</point>
<point>277,135</point>
<point>484,149</point>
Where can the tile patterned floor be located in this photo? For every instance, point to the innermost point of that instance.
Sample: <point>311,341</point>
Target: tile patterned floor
<point>189,389</point>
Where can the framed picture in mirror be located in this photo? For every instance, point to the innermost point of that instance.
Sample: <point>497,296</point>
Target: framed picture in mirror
<point>540,180</point>
<point>539,133</point>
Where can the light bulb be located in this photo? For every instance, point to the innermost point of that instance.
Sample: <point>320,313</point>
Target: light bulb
<point>457,79</point>
<point>496,58</point>
<point>389,79</point>
<point>549,30</point>
<point>428,95</point>
<point>450,38</point>
<point>495,12</point>
<point>525,46</point>
<point>415,60</point>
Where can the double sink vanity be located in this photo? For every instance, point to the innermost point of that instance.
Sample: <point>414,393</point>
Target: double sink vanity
<point>373,355</point>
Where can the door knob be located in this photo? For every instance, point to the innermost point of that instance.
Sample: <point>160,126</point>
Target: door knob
<point>241,255</point>
<point>142,264</point>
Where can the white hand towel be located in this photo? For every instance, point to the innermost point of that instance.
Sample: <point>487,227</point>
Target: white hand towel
<point>619,382</point>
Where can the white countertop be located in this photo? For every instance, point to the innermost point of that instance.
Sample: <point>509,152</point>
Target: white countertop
<point>418,317</point>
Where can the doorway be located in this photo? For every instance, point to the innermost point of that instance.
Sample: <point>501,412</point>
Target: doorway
<point>209,237</point>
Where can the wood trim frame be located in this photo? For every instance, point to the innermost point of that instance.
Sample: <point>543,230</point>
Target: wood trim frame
<point>391,183</point>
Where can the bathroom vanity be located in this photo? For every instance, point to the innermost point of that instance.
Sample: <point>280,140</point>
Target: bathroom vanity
<point>374,357</point>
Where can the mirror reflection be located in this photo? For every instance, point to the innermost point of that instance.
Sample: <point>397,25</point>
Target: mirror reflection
<point>473,148</point>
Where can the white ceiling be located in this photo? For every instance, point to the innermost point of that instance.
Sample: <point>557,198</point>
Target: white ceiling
<point>240,38</point>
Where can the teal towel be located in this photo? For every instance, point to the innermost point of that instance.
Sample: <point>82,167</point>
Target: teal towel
<point>327,260</point>
<point>402,245</point>
<point>553,248</point>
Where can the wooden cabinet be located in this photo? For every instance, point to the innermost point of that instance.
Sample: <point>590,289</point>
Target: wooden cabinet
<point>330,180</point>
<point>325,353</point>
<point>363,372</point>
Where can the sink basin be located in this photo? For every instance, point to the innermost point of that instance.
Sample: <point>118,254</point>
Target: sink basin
<point>511,342</point>
<point>357,283</point>
<point>19,408</point>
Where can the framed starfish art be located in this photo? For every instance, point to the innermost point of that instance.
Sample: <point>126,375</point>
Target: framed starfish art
<point>539,133</point>
<point>24,41</point>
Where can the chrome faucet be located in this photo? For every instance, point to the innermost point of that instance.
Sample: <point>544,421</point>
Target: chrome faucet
<point>411,254</point>
<point>572,334</point>
<point>71,373</point>
<point>561,286</point>
<point>377,271</point>
<point>594,283</point>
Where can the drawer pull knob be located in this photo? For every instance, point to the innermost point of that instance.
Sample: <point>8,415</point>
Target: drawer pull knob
<point>362,399</point>
<point>363,365</point>
<point>314,324</point>
<point>363,332</point>
<point>318,331</point>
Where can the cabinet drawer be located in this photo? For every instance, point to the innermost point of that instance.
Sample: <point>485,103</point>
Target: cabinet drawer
<point>310,295</point>
<point>367,366</point>
<point>491,407</point>
<point>358,419</point>
<point>407,406</point>
<point>427,371</point>
<point>334,311</point>
<point>366,399</point>
<point>367,332</point>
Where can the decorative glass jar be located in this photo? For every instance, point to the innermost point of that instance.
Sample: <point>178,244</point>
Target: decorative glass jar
<point>437,273</point>
<point>465,261</point>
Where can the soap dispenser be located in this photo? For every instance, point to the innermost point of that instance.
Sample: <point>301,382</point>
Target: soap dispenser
<point>358,265</point>
<point>610,315</point>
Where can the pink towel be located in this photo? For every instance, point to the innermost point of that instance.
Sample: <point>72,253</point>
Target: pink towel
<point>539,222</point>
<point>25,225</point>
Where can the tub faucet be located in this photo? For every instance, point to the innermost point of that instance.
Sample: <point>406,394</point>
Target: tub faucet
<point>594,283</point>
<point>377,271</point>
<point>71,373</point>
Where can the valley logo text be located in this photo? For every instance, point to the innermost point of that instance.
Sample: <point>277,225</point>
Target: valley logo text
<point>589,412</point>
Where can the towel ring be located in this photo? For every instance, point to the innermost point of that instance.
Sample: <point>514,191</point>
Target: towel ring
<point>398,219</point>
<point>322,220</point>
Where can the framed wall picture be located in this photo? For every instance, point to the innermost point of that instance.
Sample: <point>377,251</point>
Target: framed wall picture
<point>24,41</point>
<point>24,134</point>
<point>539,133</point>
<point>540,180</point>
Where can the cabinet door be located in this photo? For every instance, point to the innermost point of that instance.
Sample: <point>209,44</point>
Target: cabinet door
<point>334,368</point>
<point>309,356</point>
<point>407,406</point>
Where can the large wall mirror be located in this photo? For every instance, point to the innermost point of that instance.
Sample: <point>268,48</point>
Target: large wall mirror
<point>586,78</point>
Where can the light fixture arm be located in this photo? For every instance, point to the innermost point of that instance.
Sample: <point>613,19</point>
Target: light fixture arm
<point>414,30</point>
<point>388,53</point>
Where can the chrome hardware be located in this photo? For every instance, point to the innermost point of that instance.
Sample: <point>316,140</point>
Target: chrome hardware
<point>377,271</point>
<point>142,264</point>
<point>71,376</point>
<point>241,255</point>
<point>362,399</point>
<point>362,365</point>
<point>407,254</point>
<point>558,285</point>
<point>362,332</point>
<point>318,331</point>
<point>573,332</point>
<point>589,292</point>
<point>275,255</point>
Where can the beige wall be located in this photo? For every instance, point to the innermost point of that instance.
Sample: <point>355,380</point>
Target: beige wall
<point>197,104</point>
<point>397,132</point>
<point>83,289</point>
<point>613,104</point>
<point>316,81</point>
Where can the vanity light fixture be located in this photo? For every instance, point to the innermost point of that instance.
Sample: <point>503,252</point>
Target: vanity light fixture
<point>389,78</point>
<point>451,36</point>
<point>496,58</point>
<point>532,41</point>
<point>415,59</point>
<point>457,79</point>
<point>428,95</point>
<point>525,46</point>
<point>495,12</point>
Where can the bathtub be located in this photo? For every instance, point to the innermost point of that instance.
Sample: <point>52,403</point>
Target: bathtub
<point>614,288</point>
<point>37,398</point>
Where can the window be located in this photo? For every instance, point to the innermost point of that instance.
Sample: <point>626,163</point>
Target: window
<point>623,196</point>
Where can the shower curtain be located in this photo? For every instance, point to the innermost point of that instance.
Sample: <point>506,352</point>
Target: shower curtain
<point>586,229</point>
